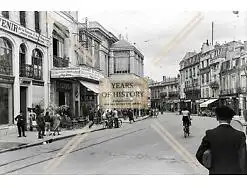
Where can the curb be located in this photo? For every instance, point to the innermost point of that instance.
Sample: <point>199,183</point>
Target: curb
<point>51,139</point>
<point>137,119</point>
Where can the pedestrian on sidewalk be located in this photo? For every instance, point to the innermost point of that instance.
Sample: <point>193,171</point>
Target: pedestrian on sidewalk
<point>48,123</point>
<point>56,123</point>
<point>21,122</point>
<point>41,125</point>
<point>115,116</point>
<point>91,118</point>
<point>131,115</point>
<point>223,149</point>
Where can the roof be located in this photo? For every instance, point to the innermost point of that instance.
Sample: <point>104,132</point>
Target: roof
<point>122,44</point>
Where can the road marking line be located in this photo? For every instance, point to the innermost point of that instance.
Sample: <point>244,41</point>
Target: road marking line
<point>61,152</point>
<point>190,162</point>
<point>173,146</point>
<point>57,163</point>
<point>179,145</point>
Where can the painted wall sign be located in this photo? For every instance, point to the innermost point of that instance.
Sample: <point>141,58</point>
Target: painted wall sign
<point>83,72</point>
<point>24,32</point>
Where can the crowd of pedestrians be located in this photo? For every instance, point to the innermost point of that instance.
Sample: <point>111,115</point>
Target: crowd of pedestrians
<point>45,124</point>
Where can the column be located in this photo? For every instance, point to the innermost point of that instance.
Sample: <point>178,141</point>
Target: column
<point>46,78</point>
<point>111,63</point>
<point>132,62</point>
<point>241,104</point>
<point>16,86</point>
<point>93,59</point>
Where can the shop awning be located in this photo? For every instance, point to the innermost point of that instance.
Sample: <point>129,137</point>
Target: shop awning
<point>205,104</point>
<point>91,86</point>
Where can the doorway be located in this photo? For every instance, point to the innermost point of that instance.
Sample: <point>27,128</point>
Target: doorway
<point>61,98</point>
<point>23,100</point>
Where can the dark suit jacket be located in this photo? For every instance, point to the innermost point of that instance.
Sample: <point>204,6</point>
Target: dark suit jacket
<point>228,150</point>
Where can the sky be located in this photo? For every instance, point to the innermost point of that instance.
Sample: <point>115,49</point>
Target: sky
<point>156,33</point>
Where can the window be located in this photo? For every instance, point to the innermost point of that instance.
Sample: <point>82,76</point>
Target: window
<point>55,47</point>
<point>186,74</point>
<point>194,71</point>
<point>5,14</point>
<point>121,62</point>
<point>22,59</point>
<point>5,57</point>
<point>23,18</point>
<point>36,19</point>
<point>190,72</point>
<point>37,63</point>
<point>207,78</point>
<point>202,78</point>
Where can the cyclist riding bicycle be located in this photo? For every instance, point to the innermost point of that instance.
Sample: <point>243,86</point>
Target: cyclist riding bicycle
<point>186,117</point>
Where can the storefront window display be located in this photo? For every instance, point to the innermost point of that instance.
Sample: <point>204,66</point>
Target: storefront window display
<point>5,104</point>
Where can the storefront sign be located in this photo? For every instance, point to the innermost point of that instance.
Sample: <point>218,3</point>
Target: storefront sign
<point>124,91</point>
<point>21,31</point>
<point>83,72</point>
<point>37,83</point>
<point>65,86</point>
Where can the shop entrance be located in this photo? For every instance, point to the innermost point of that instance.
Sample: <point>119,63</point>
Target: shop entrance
<point>61,98</point>
<point>23,100</point>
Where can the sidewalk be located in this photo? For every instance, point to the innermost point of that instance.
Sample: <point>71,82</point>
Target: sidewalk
<point>136,119</point>
<point>9,140</point>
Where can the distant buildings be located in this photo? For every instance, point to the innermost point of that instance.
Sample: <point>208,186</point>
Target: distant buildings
<point>215,75</point>
<point>165,94</point>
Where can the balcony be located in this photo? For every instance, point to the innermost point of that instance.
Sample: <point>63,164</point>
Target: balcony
<point>30,72</point>
<point>60,62</point>
<point>26,71</point>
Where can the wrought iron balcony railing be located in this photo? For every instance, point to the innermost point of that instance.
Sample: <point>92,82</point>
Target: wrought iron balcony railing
<point>60,62</point>
<point>29,71</point>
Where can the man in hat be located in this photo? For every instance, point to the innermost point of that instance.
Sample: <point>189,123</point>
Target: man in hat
<point>21,121</point>
<point>226,146</point>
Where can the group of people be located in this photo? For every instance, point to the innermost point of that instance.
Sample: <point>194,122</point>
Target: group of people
<point>43,123</point>
<point>97,116</point>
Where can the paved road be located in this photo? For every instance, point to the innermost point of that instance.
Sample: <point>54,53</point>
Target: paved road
<point>152,146</point>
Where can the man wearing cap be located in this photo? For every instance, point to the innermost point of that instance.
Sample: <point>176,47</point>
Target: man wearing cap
<point>225,145</point>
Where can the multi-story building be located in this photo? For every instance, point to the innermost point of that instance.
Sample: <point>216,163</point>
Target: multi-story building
<point>80,59</point>
<point>125,58</point>
<point>190,81</point>
<point>24,43</point>
<point>165,94</point>
<point>230,76</point>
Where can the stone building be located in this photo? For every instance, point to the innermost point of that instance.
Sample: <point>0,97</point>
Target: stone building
<point>125,59</point>
<point>165,94</point>
<point>24,44</point>
<point>190,81</point>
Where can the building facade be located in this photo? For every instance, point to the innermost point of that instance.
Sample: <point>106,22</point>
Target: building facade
<point>190,81</point>
<point>125,59</point>
<point>165,94</point>
<point>24,44</point>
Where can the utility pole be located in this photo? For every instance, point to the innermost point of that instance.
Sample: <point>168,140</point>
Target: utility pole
<point>212,33</point>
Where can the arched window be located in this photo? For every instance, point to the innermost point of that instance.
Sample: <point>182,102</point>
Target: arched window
<point>22,61</point>
<point>5,57</point>
<point>37,63</point>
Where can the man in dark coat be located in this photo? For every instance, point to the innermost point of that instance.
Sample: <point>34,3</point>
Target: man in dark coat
<point>21,121</point>
<point>227,146</point>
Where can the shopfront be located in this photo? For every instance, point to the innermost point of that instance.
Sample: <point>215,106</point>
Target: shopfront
<point>6,82</point>
<point>6,103</point>
<point>77,88</point>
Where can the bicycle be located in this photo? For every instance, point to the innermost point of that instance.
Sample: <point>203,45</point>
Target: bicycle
<point>186,129</point>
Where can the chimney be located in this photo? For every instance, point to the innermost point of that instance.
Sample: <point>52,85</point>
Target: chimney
<point>245,45</point>
<point>164,78</point>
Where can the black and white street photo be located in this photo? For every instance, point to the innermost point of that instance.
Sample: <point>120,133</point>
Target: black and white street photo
<point>129,92</point>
